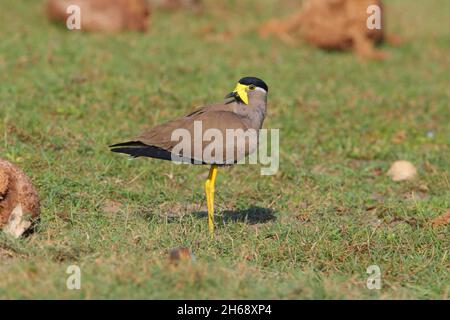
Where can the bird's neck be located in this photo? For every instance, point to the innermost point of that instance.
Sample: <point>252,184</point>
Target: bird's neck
<point>254,114</point>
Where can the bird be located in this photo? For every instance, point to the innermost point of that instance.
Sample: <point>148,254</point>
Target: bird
<point>243,111</point>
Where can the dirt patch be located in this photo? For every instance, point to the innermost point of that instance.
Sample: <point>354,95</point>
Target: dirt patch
<point>103,15</point>
<point>441,220</point>
<point>181,254</point>
<point>112,206</point>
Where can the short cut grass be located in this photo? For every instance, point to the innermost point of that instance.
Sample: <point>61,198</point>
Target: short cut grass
<point>310,231</point>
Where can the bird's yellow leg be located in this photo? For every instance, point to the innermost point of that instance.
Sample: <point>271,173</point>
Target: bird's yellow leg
<point>209,190</point>
<point>208,204</point>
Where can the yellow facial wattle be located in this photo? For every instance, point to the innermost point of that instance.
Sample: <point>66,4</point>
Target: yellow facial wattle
<point>241,91</point>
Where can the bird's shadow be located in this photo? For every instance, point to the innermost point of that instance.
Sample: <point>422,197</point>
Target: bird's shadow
<point>252,215</point>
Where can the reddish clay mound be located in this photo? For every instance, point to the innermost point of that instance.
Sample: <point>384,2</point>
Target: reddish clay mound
<point>103,15</point>
<point>19,201</point>
<point>332,24</point>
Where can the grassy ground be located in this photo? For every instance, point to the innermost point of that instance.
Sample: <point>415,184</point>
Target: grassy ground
<point>308,232</point>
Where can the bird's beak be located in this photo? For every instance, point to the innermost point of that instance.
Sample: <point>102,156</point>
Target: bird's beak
<point>239,92</point>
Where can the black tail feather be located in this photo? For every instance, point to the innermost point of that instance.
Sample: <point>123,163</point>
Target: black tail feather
<point>139,149</point>
<point>129,144</point>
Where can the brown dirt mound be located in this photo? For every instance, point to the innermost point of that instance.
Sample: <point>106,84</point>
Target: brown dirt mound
<point>4,181</point>
<point>19,201</point>
<point>103,15</point>
<point>332,24</point>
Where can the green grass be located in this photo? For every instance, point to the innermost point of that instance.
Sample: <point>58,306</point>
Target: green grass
<point>311,230</point>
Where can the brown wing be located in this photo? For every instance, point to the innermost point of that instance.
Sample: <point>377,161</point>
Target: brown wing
<point>195,126</point>
<point>162,139</point>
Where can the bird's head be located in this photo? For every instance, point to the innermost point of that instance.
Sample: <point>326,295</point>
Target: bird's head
<point>248,89</point>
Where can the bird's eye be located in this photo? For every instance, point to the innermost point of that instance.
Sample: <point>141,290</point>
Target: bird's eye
<point>251,87</point>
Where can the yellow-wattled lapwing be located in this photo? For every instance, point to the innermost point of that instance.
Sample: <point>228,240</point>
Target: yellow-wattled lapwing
<point>242,112</point>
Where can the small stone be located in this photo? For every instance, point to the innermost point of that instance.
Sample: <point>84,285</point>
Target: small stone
<point>18,222</point>
<point>402,170</point>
